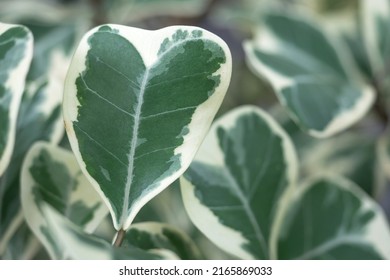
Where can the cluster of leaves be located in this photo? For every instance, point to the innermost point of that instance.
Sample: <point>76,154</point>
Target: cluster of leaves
<point>290,183</point>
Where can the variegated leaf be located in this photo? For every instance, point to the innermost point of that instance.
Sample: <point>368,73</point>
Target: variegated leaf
<point>16,46</point>
<point>137,105</point>
<point>330,218</point>
<point>39,115</point>
<point>233,187</point>
<point>154,237</point>
<point>23,245</point>
<point>51,176</point>
<point>313,75</point>
<point>376,30</point>
<point>80,245</point>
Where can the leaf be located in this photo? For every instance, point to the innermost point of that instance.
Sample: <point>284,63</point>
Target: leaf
<point>80,245</point>
<point>313,76</point>
<point>39,115</point>
<point>232,189</point>
<point>51,176</point>
<point>137,105</point>
<point>16,45</point>
<point>23,245</point>
<point>330,218</point>
<point>374,16</point>
<point>154,237</point>
<point>350,154</point>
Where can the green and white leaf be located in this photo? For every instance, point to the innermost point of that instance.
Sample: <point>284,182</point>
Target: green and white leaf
<point>313,75</point>
<point>23,245</point>
<point>375,16</point>
<point>39,115</point>
<point>138,104</point>
<point>51,176</point>
<point>16,47</point>
<point>83,246</point>
<point>330,218</point>
<point>233,187</point>
<point>154,237</point>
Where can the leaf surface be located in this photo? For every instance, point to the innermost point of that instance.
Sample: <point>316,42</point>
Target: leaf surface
<point>51,176</point>
<point>153,237</point>
<point>232,189</point>
<point>39,116</point>
<point>83,246</point>
<point>16,47</point>
<point>330,218</point>
<point>313,75</point>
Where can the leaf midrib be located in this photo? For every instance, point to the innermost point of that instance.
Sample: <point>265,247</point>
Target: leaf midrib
<point>133,144</point>
<point>137,117</point>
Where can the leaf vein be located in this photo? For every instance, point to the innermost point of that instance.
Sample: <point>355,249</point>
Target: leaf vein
<point>100,145</point>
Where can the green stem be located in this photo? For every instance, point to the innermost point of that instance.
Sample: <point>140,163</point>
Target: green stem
<point>119,238</point>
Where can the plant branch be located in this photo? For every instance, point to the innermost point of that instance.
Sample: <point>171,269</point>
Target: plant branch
<point>119,238</point>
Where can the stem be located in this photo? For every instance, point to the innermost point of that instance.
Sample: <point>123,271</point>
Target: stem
<point>119,238</point>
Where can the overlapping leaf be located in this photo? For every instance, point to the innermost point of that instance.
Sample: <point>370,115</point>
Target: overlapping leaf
<point>51,176</point>
<point>376,30</point>
<point>80,245</point>
<point>312,75</point>
<point>137,105</point>
<point>39,115</point>
<point>330,218</point>
<point>16,46</point>
<point>233,188</point>
<point>155,237</point>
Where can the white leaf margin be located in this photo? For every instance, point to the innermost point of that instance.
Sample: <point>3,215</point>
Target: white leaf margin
<point>33,214</point>
<point>147,43</point>
<point>369,12</point>
<point>15,83</point>
<point>266,41</point>
<point>227,239</point>
<point>378,234</point>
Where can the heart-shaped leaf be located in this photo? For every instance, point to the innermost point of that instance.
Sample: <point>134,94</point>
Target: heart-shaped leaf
<point>233,187</point>
<point>154,237</point>
<point>330,218</point>
<point>313,76</point>
<point>137,105</point>
<point>16,47</point>
<point>51,176</point>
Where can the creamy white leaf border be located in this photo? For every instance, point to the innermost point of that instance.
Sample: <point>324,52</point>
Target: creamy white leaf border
<point>378,232</point>
<point>147,43</point>
<point>84,192</point>
<point>370,12</point>
<point>227,239</point>
<point>266,41</point>
<point>15,83</point>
